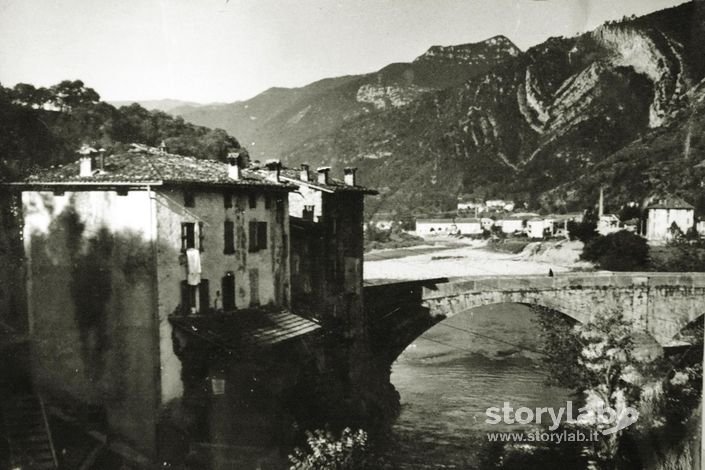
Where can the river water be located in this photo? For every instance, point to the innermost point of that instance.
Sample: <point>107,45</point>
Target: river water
<point>450,375</point>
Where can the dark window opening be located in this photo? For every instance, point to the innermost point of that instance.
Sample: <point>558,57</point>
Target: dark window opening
<point>267,201</point>
<point>308,213</point>
<point>229,237</point>
<point>227,200</point>
<point>122,192</point>
<point>189,199</point>
<point>195,299</point>
<point>201,236</point>
<point>203,296</point>
<point>253,201</point>
<point>258,236</point>
<point>188,235</point>
<point>228,289</point>
<point>254,287</point>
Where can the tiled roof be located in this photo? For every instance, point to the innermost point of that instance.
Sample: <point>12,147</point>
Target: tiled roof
<point>669,203</point>
<point>142,165</point>
<point>334,185</point>
<point>469,220</point>
<point>245,330</point>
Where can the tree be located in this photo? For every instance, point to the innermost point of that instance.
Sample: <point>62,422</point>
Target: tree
<point>618,251</point>
<point>27,95</point>
<point>596,360</point>
<point>70,94</point>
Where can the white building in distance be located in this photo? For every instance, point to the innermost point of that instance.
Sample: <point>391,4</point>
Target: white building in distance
<point>663,213</point>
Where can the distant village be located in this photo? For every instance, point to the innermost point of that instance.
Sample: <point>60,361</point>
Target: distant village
<point>662,219</point>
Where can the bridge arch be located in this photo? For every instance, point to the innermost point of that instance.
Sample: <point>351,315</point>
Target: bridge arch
<point>657,304</point>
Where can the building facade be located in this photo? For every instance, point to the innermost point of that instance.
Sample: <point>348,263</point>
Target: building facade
<point>665,215</point>
<point>122,249</point>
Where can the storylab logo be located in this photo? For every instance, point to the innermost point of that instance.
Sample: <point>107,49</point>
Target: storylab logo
<point>606,419</point>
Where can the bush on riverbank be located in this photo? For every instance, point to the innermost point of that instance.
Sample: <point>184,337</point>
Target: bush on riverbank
<point>395,237</point>
<point>618,251</point>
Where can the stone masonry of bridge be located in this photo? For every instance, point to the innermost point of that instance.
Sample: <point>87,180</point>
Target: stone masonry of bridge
<point>661,304</point>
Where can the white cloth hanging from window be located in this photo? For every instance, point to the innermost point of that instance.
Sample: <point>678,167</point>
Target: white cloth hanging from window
<point>193,257</point>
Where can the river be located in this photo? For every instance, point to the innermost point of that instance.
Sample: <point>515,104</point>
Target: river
<point>450,375</point>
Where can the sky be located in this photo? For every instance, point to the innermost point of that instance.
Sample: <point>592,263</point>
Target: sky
<point>228,50</point>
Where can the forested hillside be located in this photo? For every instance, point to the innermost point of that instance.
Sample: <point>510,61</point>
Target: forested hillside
<point>40,127</point>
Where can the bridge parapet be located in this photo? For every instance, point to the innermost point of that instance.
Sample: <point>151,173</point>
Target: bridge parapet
<point>562,281</point>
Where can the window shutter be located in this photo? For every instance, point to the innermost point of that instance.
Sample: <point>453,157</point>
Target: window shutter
<point>227,200</point>
<point>201,236</point>
<point>184,236</point>
<point>261,235</point>
<point>185,298</point>
<point>204,296</point>
<point>229,237</point>
<point>228,290</point>
<point>252,239</point>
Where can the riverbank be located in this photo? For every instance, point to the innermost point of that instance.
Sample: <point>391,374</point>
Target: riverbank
<point>458,258</point>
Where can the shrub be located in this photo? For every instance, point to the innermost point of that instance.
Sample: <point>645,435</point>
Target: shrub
<point>619,251</point>
<point>325,452</point>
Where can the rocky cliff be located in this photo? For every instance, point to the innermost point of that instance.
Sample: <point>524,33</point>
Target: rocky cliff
<point>278,120</point>
<point>542,120</point>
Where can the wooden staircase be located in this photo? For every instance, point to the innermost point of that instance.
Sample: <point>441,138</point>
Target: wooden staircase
<point>27,431</point>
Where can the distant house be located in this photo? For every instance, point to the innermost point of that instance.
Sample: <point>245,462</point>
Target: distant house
<point>700,227</point>
<point>664,214</point>
<point>470,206</point>
<point>499,204</point>
<point>511,225</point>
<point>468,226</point>
<point>435,227</point>
<point>608,223</point>
<point>538,227</point>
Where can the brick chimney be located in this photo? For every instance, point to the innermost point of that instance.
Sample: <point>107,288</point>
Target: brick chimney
<point>304,176</point>
<point>233,167</point>
<point>323,174</point>
<point>273,167</point>
<point>349,174</point>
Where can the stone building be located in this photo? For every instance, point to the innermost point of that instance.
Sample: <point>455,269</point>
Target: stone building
<point>665,214</point>
<point>327,244</point>
<point>139,264</point>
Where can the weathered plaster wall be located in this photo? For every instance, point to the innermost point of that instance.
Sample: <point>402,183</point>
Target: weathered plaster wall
<point>271,264</point>
<point>91,305</point>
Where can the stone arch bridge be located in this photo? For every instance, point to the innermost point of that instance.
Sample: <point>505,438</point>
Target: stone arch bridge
<point>660,304</point>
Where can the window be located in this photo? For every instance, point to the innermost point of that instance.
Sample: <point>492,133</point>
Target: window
<point>189,199</point>
<point>203,296</point>
<point>267,201</point>
<point>229,237</point>
<point>258,236</point>
<point>188,235</point>
<point>254,287</point>
<point>195,299</point>
<point>227,200</point>
<point>228,288</point>
<point>253,201</point>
